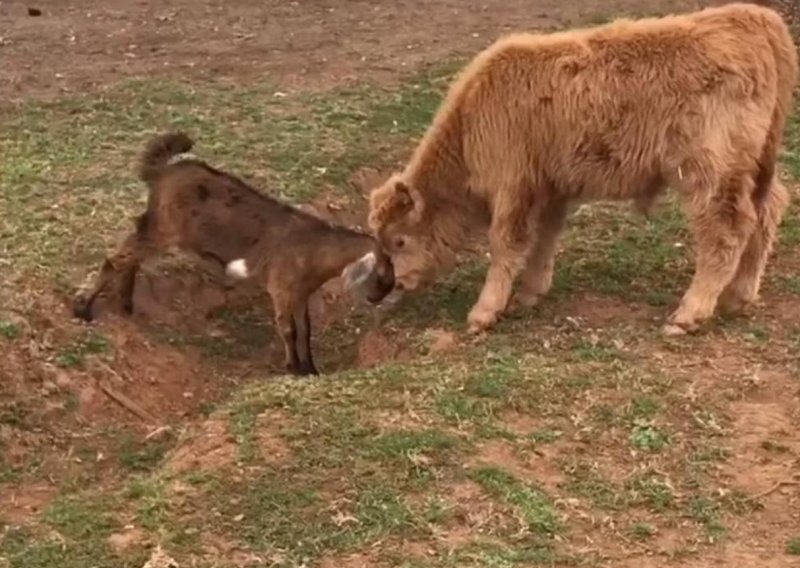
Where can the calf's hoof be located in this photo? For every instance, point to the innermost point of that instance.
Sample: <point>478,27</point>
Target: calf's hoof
<point>526,300</point>
<point>481,320</point>
<point>672,330</point>
<point>735,305</point>
<point>678,325</point>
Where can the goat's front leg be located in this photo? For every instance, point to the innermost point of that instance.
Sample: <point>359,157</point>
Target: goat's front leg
<point>509,242</point>
<point>283,304</point>
<point>302,322</point>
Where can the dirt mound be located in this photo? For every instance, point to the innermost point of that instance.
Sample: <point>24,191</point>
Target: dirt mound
<point>209,447</point>
<point>377,347</point>
<point>271,446</point>
<point>535,468</point>
<point>18,503</point>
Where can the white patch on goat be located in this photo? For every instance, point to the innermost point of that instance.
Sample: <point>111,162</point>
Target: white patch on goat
<point>183,156</point>
<point>237,269</point>
<point>356,273</point>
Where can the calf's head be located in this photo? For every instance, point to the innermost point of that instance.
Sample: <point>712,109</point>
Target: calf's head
<point>411,232</point>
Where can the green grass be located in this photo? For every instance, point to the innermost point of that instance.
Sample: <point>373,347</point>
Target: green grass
<point>243,423</point>
<point>706,511</point>
<point>143,456</point>
<point>597,413</point>
<point>590,485</point>
<point>791,154</point>
<point>74,354</point>
<point>149,499</point>
<point>78,519</point>
<point>653,492</point>
<point>10,330</point>
<point>642,531</point>
<point>793,546</point>
<point>534,505</point>
<point>647,437</point>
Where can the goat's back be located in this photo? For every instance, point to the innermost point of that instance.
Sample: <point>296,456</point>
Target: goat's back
<point>194,206</point>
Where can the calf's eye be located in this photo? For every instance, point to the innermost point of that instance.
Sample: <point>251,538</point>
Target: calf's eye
<point>399,242</point>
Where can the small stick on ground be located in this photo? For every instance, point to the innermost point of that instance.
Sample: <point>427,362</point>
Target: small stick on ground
<point>126,403</point>
<point>775,487</point>
<point>157,432</point>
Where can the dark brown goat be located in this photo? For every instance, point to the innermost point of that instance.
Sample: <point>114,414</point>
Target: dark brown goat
<point>197,208</point>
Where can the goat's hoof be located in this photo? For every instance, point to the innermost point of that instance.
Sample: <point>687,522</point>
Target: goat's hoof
<point>307,371</point>
<point>82,308</point>
<point>301,370</point>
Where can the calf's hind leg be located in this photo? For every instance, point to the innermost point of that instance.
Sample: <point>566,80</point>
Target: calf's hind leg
<point>537,277</point>
<point>722,229</point>
<point>743,289</point>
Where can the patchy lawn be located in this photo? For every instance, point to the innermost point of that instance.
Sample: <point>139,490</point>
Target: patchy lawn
<point>574,435</point>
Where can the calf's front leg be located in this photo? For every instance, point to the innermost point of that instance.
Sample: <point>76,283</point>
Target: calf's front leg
<point>509,242</point>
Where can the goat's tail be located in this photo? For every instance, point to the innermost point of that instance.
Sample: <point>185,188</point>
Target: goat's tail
<point>159,151</point>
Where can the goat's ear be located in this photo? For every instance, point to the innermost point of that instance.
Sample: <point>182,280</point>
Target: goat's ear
<point>356,273</point>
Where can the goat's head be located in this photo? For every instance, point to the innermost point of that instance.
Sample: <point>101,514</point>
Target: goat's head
<point>372,275</point>
<point>110,284</point>
<point>405,226</point>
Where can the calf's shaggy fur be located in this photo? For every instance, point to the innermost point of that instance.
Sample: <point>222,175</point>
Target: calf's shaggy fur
<point>535,123</point>
<point>194,207</point>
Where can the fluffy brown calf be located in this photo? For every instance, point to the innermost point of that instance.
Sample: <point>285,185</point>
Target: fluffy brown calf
<point>695,102</point>
<point>196,208</point>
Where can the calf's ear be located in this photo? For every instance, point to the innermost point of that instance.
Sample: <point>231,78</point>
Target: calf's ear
<point>409,200</point>
<point>356,273</point>
<point>392,201</point>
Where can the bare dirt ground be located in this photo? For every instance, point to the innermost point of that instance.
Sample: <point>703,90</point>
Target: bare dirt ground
<point>78,47</point>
